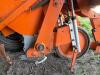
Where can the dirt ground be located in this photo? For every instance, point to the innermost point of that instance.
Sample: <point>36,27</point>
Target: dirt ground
<point>89,64</point>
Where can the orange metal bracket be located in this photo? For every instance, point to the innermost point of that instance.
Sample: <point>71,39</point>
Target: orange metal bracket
<point>96,31</point>
<point>74,59</point>
<point>97,49</point>
<point>85,9</point>
<point>46,31</point>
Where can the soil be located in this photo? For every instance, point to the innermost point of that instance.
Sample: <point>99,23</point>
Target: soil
<point>89,64</point>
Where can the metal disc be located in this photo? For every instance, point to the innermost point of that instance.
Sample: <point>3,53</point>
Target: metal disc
<point>65,51</point>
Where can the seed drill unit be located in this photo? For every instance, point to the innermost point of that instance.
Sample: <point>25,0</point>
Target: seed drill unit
<point>41,27</point>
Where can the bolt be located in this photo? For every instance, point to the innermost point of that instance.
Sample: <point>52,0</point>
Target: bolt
<point>56,2</point>
<point>73,39</point>
<point>94,30</point>
<point>71,30</point>
<point>40,47</point>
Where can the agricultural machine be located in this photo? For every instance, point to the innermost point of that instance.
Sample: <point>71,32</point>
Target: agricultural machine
<point>41,27</point>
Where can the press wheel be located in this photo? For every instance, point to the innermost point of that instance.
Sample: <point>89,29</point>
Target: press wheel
<point>66,51</point>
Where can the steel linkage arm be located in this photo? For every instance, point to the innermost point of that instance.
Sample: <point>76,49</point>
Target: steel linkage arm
<point>44,41</point>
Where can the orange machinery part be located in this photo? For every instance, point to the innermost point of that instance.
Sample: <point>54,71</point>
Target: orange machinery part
<point>96,31</point>
<point>84,9</point>
<point>19,18</point>
<point>15,16</point>
<point>46,32</point>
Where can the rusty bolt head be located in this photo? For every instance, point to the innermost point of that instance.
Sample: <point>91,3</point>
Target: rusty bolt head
<point>40,47</point>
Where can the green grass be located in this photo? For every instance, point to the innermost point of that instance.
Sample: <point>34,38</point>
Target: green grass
<point>85,23</point>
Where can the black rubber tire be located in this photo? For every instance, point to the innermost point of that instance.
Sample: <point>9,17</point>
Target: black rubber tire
<point>57,53</point>
<point>87,44</point>
<point>11,44</point>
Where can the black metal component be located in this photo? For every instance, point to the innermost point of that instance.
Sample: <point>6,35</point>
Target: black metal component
<point>39,4</point>
<point>98,43</point>
<point>94,30</point>
<point>73,17</point>
<point>11,43</point>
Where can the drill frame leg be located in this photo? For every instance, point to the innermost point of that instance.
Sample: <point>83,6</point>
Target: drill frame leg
<point>96,31</point>
<point>74,59</point>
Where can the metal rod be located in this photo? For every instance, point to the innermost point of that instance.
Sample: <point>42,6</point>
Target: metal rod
<point>75,27</point>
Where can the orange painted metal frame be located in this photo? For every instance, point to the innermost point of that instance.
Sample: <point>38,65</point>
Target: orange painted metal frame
<point>21,18</point>
<point>16,13</point>
<point>18,16</point>
<point>46,31</point>
<point>96,31</point>
<point>85,10</point>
